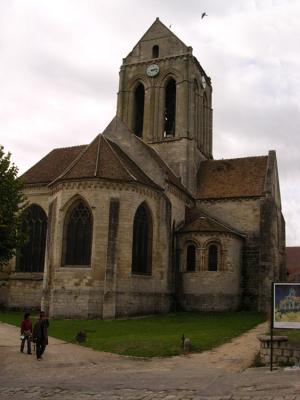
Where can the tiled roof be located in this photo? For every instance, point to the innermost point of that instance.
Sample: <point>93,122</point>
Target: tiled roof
<point>52,165</point>
<point>171,177</point>
<point>293,260</point>
<point>117,130</point>
<point>104,159</point>
<point>198,221</point>
<point>239,177</point>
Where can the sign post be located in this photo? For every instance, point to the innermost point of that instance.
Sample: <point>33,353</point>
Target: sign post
<point>272,326</point>
<point>285,309</point>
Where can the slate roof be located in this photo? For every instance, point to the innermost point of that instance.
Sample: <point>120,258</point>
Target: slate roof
<point>198,221</point>
<point>239,177</point>
<point>52,165</point>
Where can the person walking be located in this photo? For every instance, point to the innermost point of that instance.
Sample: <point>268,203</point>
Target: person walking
<point>40,334</point>
<point>26,333</point>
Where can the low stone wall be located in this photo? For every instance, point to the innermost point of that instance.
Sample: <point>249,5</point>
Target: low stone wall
<point>283,351</point>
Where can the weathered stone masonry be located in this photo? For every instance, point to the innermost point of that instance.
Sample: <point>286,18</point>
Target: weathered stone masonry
<point>143,220</point>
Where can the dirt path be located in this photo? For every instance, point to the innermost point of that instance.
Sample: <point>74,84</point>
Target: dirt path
<point>73,372</point>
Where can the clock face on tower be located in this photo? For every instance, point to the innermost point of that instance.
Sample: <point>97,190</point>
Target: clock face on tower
<point>152,70</point>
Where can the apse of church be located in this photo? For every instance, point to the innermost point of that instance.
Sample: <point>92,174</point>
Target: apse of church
<point>143,220</point>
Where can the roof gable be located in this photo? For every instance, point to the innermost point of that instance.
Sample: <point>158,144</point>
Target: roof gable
<point>198,221</point>
<point>157,34</point>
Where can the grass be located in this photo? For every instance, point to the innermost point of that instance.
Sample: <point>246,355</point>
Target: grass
<point>152,336</point>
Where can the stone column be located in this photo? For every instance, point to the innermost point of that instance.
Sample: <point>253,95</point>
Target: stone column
<point>202,266</point>
<point>48,268</point>
<point>109,297</point>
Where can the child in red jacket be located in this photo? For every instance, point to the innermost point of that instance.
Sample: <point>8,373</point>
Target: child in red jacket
<point>26,333</point>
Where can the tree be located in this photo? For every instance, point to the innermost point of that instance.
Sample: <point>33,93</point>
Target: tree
<point>12,205</point>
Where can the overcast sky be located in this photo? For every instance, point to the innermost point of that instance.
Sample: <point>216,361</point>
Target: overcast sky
<point>59,75</point>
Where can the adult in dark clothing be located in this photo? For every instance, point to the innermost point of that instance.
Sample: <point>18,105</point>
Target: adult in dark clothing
<point>26,333</point>
<point>40,334</point>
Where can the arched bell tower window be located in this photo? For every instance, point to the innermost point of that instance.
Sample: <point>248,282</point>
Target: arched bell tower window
<point>196,112</point>
<point>31,256</point>
<point>142,241</point>
<point>139,99</point>
<point>213,257</point>
<point>78,235</point>
<point>205,123</point>
<point>191,257</point>
<point>155,51</point>
<point>170,108</point>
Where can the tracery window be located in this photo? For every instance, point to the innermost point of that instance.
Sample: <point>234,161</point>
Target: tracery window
<point>142,241</point>
<point>31,257</point>
<point>191,258</point>
<point>78,235</point>
<point>213,257</point>
<point>139,99</point>
<point>170,108</point>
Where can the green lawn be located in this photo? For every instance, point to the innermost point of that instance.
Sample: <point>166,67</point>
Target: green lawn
<point>152,336</point>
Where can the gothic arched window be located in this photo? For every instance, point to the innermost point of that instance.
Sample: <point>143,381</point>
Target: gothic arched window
<point>191,257</point>
<point>170,108</point>
<point>78,235</point>
<point>155,51</point>
<point>213,257</point>
<point>142,241</point>
<point>139,99</point>
<point>31,256</point>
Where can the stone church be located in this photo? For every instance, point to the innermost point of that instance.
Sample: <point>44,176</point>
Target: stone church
<point>143,220</point>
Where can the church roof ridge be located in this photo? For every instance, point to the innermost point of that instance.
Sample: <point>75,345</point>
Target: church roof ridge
<point>119,159</point>
<point>169,172</point>
<point>134,164</point>
<point>116,165</point>
<point>237,158</point>
<point>118,124</point>
<point>69,147</point>
<point>75,161</point>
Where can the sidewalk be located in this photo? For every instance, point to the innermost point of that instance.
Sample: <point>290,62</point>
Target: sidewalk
<point>74,372</point>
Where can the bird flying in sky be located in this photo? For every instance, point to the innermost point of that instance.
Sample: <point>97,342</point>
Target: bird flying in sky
<point>203,15</point>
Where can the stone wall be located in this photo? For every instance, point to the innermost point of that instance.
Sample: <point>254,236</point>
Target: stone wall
<point>264,248</point>
<point>283,352</point>
<point>205,290</point>
<point>20,290</point>
<point>107,288</point>
<point>24,291</point>
<point>241,214</point>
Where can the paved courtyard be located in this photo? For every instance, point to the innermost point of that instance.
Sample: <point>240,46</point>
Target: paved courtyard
<point>73,372</point>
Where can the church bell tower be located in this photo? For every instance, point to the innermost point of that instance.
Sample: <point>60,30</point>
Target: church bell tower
<point>165,99</point>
